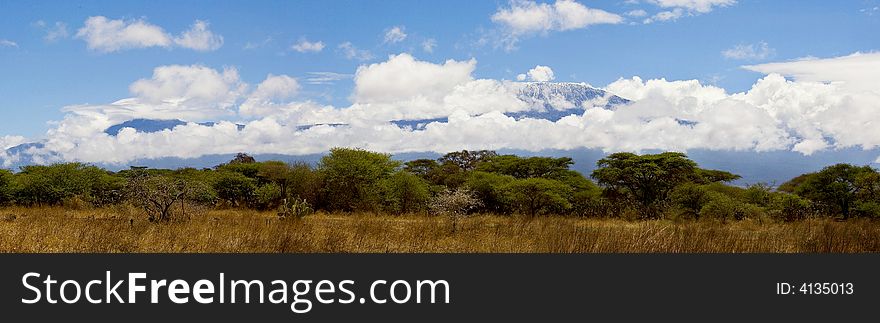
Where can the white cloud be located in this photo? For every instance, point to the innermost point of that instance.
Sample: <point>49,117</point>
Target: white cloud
<point>325,78</point>
<point>106,35</point>
<point>670,15</point>
<point>856,72</point>
<point>351,52</point>
<point>537,74</point>
<point>402,77</point>
<point>254,45</point>
<point>528,16</point>
<point>8,141</point>
<point>525,17</point>
<point>828,104</point>
<point>8,43</point>
<point>680,8</point>
<point>305,46</point>
<point>758,51</point>
<point>55,32</point>
<point>270,93</point>
<point>428,45</point>
<point>199,38</point>
<point>395,34</point>
<point>189,92</point>
<point>637,13</point>
<point>700,6</point>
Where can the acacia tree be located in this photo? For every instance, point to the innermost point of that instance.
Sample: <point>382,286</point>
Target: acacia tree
<point>157,195</point>
<point>646,179</point>
<point>841,187</point>
<point>534,196</point>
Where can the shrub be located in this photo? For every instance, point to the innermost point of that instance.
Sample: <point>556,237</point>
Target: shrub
<point>789,207</point>
<point>455,203</point>
<point>689,199</point>
<point>352,178</point>
<point>234,188</point>
<point>5,187</point>
<point>405,193</point>
<point>590,203</point>
<point>488,188</point>
<point>267,196</point>
<point>723,208</point>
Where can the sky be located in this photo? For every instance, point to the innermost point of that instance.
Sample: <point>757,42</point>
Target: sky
<point>753,75</point>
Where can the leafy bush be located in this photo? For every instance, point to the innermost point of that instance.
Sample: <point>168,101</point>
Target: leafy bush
<point>405,193</point>
<point>723,208</point>
<point>352,178</point>
<point>234,188</point>
<point>267,197</point>
<point>489,189</point>
<point>590,203</point>
<point>789,207</point>
<point>689,199</point>
<point>6,178</point>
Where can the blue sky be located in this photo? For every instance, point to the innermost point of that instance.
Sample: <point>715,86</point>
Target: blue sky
<point>39,77</point>
<point>46,62</point>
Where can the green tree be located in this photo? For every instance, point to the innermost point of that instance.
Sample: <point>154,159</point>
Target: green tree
<point>533,196</point>
<point>6,178</point>
<point>275,172</point>
<point>405,193</point>
<point>352,178</point>
<point>52,184</point>
<point>645,179</point>
<point>531,167</point>
<point>489,189</point>
<point>690,198</point>
<point>423,168</point>
<point>234,188</point>
<point>839,188</point>
<point>305,183</point>
<point>467,160</point>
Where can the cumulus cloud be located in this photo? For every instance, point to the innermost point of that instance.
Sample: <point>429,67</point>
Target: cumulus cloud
<point>758,51</point>
<point>8,43</point>
<point>264,100</point>
<point>306,46</point>
<point>350,51</point>
<point>816,108</point>
<point>110,35</point>
<point>525,17</point>
<point>395,34</point>
<point>199,38</point>
<point>538,74</point>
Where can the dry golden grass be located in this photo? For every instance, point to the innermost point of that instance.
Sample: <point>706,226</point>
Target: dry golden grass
<point>38,230</point>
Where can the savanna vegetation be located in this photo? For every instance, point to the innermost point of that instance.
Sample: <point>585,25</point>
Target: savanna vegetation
<point>468,201</point>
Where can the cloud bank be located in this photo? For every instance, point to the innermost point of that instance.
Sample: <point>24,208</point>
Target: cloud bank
<point>804,106</point>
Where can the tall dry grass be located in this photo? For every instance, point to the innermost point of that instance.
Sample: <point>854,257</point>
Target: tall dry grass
<point>40,230</point>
